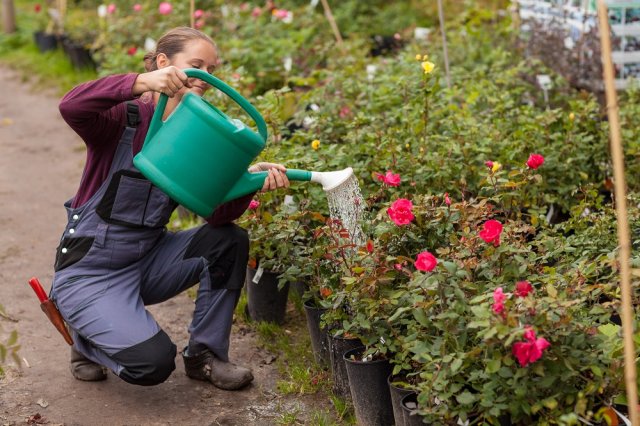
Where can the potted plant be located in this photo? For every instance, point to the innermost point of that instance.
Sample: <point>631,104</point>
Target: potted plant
<point>44,36</point>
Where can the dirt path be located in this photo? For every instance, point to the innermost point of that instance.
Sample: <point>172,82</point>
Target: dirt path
<point>40,164</point>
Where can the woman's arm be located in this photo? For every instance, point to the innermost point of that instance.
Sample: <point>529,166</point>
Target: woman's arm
<point>90,111</point>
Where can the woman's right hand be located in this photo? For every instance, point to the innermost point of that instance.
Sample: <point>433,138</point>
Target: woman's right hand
<point>168,80</point>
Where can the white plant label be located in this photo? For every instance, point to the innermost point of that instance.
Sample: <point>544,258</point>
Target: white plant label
<point>258,275</point>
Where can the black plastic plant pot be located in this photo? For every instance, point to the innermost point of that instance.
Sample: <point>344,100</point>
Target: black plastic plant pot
<point>45,41</point>
<point>369,388</point>
<point>264,301</point>
<point>397,393</point>
<point>79,56</point>
<point>338,345</point>
<point>409,404</point>
<point>319,337</point>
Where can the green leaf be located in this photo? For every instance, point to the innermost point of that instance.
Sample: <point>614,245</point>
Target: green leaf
<point>479,324</point>
<point>551,290</point>
<point>456,364</point>
<point>609,330</point>
<point>550,403</point>
<point>466,398</point>
<point>493,366</point>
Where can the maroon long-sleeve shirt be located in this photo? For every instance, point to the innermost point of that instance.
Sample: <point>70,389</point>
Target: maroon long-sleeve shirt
<point>96,111</point>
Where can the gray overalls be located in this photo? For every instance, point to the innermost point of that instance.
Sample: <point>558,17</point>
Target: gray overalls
<point>116,256</point>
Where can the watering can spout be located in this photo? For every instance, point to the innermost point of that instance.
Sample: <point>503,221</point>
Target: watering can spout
<point>252,182</point>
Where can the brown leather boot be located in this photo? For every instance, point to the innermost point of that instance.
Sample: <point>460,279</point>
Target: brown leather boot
<point>224,375</point>
<point>84,369</point>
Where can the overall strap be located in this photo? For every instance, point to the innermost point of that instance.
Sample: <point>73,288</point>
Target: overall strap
<point>133,114</point>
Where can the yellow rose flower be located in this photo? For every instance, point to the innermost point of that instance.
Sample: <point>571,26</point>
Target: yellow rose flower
<point>418,57</point>
<point>425,57</point>
<point>428,67</point>
<point>572,116</point>
<point>315,144</point>
<point>496,167</point>
<point>407,146</point>
<point>421,149</point>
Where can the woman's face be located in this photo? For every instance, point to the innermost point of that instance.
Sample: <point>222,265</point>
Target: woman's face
<point>201,54</point>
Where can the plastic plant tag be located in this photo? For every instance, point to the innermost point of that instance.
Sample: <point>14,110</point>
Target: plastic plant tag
<point>258,275</point>
<point>290,205</point>
<point>544,81</point>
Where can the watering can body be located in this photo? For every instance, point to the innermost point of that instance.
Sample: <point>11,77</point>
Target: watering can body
<point>199,156</point>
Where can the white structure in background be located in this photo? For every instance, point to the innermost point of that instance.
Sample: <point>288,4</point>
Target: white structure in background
<point>580,16</point>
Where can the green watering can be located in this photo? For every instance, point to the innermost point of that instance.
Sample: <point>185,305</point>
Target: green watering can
<point>199,156</point>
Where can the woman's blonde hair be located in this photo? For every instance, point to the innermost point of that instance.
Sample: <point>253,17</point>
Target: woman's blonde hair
<point>172,43</point>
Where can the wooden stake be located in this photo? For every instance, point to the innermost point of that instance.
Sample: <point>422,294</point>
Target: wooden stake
<point>444,44</point>
<point>621,213</point>
<point>332,21</point>
<point>192,9</point>
<point>8,17</point>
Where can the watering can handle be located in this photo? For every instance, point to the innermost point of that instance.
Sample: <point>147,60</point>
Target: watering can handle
<point>156,121</point>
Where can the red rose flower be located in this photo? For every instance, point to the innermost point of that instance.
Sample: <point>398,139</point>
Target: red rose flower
<point>523,288</point>
<point>370,246</point>
<point>426,262</point>
<point>535,161</point>
<point>491,231</point>
<point>531,350</point>
<point>400,211</point>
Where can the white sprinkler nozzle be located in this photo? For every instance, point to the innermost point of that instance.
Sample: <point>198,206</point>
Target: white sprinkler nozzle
<point>331,180</point>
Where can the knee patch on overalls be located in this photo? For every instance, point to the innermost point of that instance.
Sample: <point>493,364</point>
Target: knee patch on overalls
<point>226,248</point>
<point>148,363</point>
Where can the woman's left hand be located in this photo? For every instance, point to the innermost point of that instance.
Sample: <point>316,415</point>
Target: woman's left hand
<point>276,177</point>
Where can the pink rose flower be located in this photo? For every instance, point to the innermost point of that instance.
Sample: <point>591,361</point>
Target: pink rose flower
<point>531,350</point>
<point>137,7</point>
<point>254,204</point>
<point>389,178</point>
<point>491,231</point>
<point>199,24</point>
<point>498,301</point>
<point>165,8</point>
<point>489,164</point>
<point>426,262</point>
<point>523,288</point>
<point>111,9</point>
<point>498,308</point>
<point>198,13</point>
<point>256,12</point>
<point>400,211</point>
<point>398,266</point>
<point>280,13</point>
<point>345,112</point>
<point>535,161</point>
<point>447,200</point>
<point>499,296</point>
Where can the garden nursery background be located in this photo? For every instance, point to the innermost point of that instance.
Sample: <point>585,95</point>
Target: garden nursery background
<point>484,282</point>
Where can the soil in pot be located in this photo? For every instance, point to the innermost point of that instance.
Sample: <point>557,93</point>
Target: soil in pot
<point>265,302</point>
<point>338,345</point>
<point>319,335</point>
<point>369,388</point>
<point>398,390</point>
